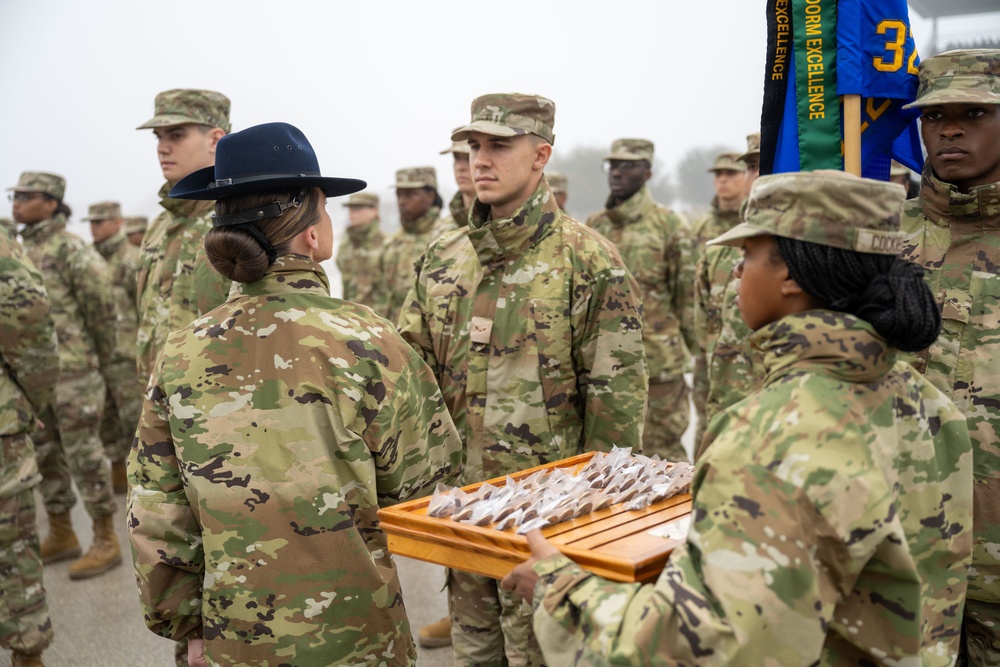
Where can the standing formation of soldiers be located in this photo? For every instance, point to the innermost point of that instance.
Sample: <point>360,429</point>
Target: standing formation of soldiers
<point>846,502</point>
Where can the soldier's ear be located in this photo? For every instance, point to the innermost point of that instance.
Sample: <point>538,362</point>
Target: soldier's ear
<point>543,152</point>
<point>214,135</point>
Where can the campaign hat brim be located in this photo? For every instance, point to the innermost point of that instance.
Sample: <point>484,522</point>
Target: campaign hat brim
<point>202,185</point>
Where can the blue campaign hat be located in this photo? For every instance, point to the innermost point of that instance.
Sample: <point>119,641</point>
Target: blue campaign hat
<point>262,157</point>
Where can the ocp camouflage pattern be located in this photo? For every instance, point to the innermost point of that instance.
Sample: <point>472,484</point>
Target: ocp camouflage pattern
<point>832,525</point>
<point>272,430</point>
<point>176,282</point>
<point>955,237</point>
<point>357,259</point>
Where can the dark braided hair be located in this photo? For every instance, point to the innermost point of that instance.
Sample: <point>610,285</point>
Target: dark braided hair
<point>884,290</point>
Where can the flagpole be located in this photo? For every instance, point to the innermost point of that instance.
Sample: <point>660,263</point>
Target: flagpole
<point>852,134</point>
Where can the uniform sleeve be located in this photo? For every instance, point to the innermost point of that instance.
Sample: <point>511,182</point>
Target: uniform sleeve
<point>412,439</point>
<point>412,323</point>
<point>164,533</point>
<point>27,336</point>
<point>756,584</point>
<point>682,253</point>
<point>210,287</point>
<point>612,376</point>
<point>381,289</point>
<point>702,291</point>
<point>91,279</point>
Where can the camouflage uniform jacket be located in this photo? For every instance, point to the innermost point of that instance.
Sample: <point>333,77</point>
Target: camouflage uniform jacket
<point>123,259</point>
<point>459,214</point>
<point>532,325</point>
<point>726,368</point>
<point>176,283</point>
<point>657,248</point>
<point>399,254</point>
<point>273,428</point>
<point>956,238</point>
<point>357,259</point>
<point>831,525</point>
<point>29,364</point>
<point>713,223</point>
<point>78,282</point>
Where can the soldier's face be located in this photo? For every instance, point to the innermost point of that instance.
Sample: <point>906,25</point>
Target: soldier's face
<point>183,149</point>
<point>105,228</point>
<point>506,170</point>
<point>361,215</point>
<point>762,273</point>
<point>728,184</point>
<point>324,233</point>
<point>625,177</point>
<point>463,175</point>
<point>135,238</point>
<point>414,202</point>
<point>32,207</point>
<point>963,143</point>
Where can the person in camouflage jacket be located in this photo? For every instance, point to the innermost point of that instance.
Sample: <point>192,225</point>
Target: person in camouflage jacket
<point>357,256</point>
<point>953,232</point>
<point>832,512</point>
<point>533,327</point>
<point>29,370</point>
<point>122,402</point>
<point>657,247</point>
<point>274,427</point>
<point>78,282</point>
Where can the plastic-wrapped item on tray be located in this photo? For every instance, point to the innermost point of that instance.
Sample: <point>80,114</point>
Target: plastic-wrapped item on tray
<point>445,501</point>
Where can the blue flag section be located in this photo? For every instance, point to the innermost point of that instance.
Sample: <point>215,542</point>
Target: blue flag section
<point>878,60</point>
<point>859,47</point>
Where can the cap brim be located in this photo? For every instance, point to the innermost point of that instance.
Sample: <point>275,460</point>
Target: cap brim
<point>743,157</point>
<point>196,185</point>
<point>954,97</point>
<point>735,236</point>
<point>494,129</point>
<point>169,120</point>
<point>414,186</point>
<point>624,156</point>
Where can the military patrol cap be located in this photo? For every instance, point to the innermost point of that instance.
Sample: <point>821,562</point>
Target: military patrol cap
<point>53,185</point>
<point>898,169</point>
<point>135,223</point>
<point>362,199</point>
<point>968,76</point>
<point>728,162</point>
<point>753,146</point>
<point>828,207</point>
<point>557,182</point>
<point>185,105</point>
<point>105,210</point>
<point>510,115</point>
<point>456,146</point>
<point>416,177</point>
<point>631,149</point>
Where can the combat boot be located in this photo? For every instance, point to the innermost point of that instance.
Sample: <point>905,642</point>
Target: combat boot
<point>103,554</point>
<point>26,660</point>
<point>119,478</point>
<point>61,542</point>
<point>435,634</point>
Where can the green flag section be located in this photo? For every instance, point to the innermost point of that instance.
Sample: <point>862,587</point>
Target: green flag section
<point>817,103</point>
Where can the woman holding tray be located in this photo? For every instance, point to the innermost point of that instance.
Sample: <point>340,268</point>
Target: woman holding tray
<point>273,428</point>
<point>832,509</point>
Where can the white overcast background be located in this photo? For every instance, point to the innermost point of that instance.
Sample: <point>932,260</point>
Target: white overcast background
<point>375,86</point>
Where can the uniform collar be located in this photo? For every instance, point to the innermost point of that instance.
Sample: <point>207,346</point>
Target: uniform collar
<point>44,229</point>
<point>632,209</point>
<point>110,245</point>
<point>835,344</point>
<point>513,236</point>
<point>459,213</point>
<point>422,224</point>
<point>940,200</point>
<point>365,232</point>
<point>184,208</point>
<point>289,273</point>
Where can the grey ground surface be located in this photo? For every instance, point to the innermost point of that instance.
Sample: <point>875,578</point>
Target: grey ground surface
<point>98,622</point>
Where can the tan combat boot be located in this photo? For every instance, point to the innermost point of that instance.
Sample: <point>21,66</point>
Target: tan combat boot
<point>103,554</point>
<point>61,542</point>
<point>435,634</point>
<point>119,478</point>
<point>26,660</point>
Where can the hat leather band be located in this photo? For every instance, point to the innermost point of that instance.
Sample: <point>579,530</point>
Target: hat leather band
<point>226,182</point>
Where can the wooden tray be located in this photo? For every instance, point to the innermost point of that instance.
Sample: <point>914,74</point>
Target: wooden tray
<point>614,542</point>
